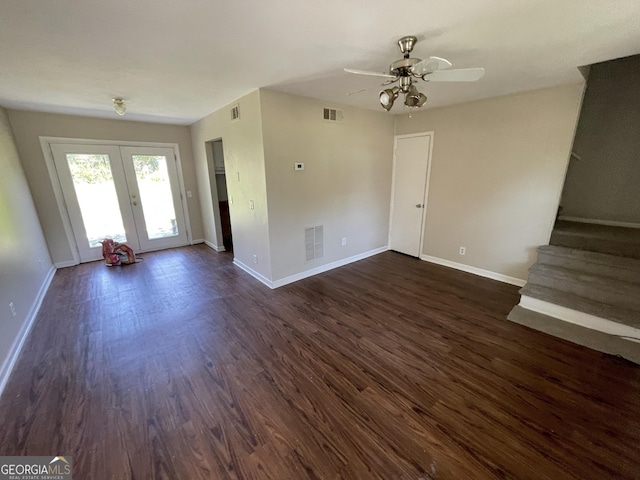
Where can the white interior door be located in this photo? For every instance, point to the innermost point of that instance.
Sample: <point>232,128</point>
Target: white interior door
<point>409,194</point>
<point>154,191</point>
<point>130,194</point>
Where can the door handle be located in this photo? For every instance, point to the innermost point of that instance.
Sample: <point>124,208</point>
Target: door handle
<point>418,205</point>
<point>135,203</point>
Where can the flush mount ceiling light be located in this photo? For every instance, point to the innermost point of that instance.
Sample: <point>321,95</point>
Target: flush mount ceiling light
<point>408,70</point>
<point>119,105</point>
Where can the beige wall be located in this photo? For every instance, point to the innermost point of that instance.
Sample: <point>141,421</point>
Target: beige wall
<point>24,259</point>
<point>605,183</point>
<point>345,185</point>
<point>29,126</point>
<point>244,165</point>
<point>497,172</point>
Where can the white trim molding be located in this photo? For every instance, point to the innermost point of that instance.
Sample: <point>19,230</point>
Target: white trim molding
<point>308,273</point>
<point>14,351</point>
<point>610,223</point>
<point>215,247</point>
<point>578,318</point>
<point>68,263</point>
<point>326,267</point>
<point>475,270</point>
<point>197,241</point>
<point>253,273</point>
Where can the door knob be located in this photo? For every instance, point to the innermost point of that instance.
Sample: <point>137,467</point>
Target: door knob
<point>418,205</point>
<point>135,203</point>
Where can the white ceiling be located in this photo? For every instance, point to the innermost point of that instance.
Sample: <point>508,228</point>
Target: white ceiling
<point>176,61</point>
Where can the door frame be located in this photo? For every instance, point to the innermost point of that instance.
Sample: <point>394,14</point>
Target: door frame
<point>45,145</point>
<point>431,135</point>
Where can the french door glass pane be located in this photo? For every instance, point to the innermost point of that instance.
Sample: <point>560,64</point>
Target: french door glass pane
<point>96,192</point>
<point>155,194</point>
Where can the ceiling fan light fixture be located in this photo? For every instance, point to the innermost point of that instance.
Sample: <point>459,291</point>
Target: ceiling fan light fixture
<point>414,98</point>
<point>387,97</point>
<point>408,70</point>
<point>120,106</point>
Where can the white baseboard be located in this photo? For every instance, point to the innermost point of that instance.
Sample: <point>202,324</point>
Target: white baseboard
<point>610,223</point>
<point>197,241</point>
<point>307,273</point>
<point>68,263</point>
<point>476,271</point>
<point>215,247</point>
<point>18,343</point>
<point>329,266</point>
<point>578,318</point>
<point>253,273</point>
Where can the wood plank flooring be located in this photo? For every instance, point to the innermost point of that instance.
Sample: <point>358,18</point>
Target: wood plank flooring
<point>185,367</point>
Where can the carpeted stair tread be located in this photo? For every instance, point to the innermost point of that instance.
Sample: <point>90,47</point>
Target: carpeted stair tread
<point>612,266</point>
<point>597,238</point>
<point>601,289</point>
<point>574,333</point>
<point>615,313</point>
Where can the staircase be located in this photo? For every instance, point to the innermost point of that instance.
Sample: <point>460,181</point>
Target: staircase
<point>585,287</point>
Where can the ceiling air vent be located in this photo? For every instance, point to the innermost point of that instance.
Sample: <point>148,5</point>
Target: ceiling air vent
<point>313,242</point>
<point>332,115</point>
<point>235,113</point>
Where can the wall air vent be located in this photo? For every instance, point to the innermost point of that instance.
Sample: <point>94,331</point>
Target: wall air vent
<point>314,242</point>
<point>332,115</point>
<point>235,113</point>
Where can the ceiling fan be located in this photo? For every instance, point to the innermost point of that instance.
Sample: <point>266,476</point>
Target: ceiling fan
<point>407,70</point>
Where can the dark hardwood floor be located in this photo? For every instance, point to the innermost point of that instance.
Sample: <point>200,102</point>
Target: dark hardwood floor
<point>185,367</point>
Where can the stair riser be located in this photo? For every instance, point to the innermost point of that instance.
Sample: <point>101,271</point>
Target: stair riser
<point>627,296</point>
<point>609,271</point>
<point>610,246</point>
<point>575,333</point>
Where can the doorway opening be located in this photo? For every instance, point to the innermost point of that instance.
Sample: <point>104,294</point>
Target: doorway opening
<point>219,195</point>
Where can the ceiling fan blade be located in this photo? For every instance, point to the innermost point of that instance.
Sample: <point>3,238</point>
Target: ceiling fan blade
<point>366,72</point>
<point>458,75</point>
<point>431,64</point>
<point>383,84</point>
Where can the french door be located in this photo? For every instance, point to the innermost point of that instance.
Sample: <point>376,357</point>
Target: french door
<point>130,194</point>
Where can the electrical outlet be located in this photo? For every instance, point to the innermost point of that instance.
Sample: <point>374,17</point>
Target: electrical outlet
<point>251,205</point>
<point>12,307</point>
<point>41,265</point>
<point>298,166</point>
<point>255,259</point>
<point>344,241</point>
<point>463,250</point>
